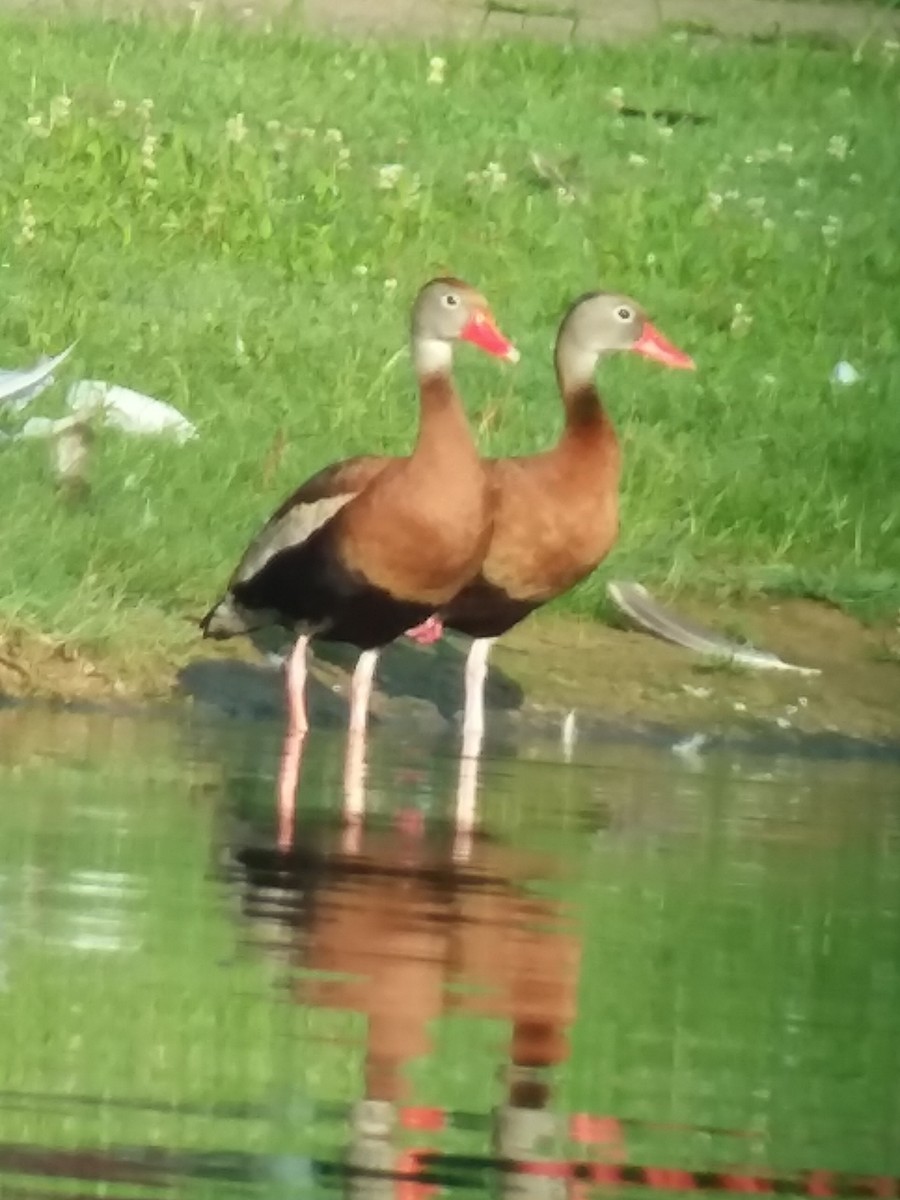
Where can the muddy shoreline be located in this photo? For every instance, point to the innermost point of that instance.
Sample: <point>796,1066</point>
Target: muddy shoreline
<point>620,684</point>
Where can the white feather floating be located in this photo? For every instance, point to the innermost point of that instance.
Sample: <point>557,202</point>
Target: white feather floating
<point>637,603</point>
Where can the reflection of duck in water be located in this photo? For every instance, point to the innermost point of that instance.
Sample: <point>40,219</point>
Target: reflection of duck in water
<point>408,934</point>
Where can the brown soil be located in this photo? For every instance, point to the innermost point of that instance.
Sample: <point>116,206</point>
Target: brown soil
<point>542,669</point>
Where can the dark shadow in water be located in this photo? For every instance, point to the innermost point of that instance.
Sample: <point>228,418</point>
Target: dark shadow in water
<point>255,691</point>
<point>410,680</point>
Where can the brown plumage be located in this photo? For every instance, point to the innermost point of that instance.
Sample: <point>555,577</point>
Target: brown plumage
<point>557,512</point>
<point>359,554</point>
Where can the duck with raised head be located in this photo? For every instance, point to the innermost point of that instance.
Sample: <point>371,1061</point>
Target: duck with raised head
<point>368,548</point>
<point>557,512</point>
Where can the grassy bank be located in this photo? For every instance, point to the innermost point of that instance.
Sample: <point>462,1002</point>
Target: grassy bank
<point>207,211</point>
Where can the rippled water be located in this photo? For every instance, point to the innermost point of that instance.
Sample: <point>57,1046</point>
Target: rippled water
<point>640,974</point>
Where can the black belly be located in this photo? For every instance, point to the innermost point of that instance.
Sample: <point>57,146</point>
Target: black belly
<point>483,610</point>
<point>308,586</point>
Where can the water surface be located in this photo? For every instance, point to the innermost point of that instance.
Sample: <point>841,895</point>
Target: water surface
<point>641,974</point>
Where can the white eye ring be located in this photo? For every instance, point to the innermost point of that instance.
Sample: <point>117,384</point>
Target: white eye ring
<point>624,313</point>
<point>451,300</point>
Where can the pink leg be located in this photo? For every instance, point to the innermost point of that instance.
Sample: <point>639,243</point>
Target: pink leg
<point>355,759</point>
<point>294,738</point>
<point>354,791</point>
<point>428,632</point>
<point>473,714</point>
<point>466,802</point>
<point>473,735</point>
<point>361,690</point>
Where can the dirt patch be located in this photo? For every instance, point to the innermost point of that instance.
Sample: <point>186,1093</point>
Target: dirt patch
<point>636,677</point>
<point>541,670</point>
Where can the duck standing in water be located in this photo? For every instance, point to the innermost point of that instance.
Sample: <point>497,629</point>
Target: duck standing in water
<point>557,512</point>
<point>369,548</point>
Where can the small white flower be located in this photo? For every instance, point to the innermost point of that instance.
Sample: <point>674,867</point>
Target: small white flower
<point>307,132</point>
<point>784,150</point>
<point>803,184</point>
<point>666,131</point>
<point>494,175</point>
<point>360,270</point>
<point>650,260</point>
<point>856,177</point>
<point>236,129</point>
<point>60,107</point>
<point>564,196</point>
<point>117,108</point>
<point>748,159</point>
<point>35,121</point>
<point>637,160</point>
<point>714,200</point>
<point>740,320</point>
<point>390,286</point>
<point>148,152</point>
<point>769,380</point>
<point>616,97</point>
<point>145,109</point>
<point>343,155</point>
<point>436,68</point>
<point>389,176</point>
<point>334,135</point>
<point>837,147</point>
<point>27,222</point>
<point>889,49</point>
<point>349,76</point>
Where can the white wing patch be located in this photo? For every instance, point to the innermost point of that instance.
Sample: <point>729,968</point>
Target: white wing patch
<point>291,529</point>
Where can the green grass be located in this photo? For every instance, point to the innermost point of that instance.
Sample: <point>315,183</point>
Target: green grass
<point>251,283</point>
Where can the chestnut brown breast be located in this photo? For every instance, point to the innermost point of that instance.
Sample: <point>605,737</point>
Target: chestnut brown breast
<point>423,529</point>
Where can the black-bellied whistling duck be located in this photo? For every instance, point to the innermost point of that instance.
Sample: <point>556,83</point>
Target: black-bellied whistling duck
<point>557,512</point>
<point>365,550</point>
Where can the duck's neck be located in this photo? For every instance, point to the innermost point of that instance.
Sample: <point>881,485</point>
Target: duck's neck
<point>575,369</point>
<point>588,446</point>
<point>443,428</point>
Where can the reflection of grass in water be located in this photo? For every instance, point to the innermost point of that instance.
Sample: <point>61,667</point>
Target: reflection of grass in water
<point>234,248</point>
<point>732,934</point>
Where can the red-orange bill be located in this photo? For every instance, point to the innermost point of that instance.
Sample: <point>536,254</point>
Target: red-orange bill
<point>482,332</point>
<point>653,345</point>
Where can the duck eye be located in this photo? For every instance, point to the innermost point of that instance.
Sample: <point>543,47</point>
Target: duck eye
<point>624,313</point>
<point>451,300</point>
